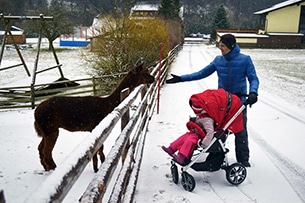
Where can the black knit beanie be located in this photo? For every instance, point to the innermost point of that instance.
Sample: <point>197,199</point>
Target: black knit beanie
<point>229,40</point>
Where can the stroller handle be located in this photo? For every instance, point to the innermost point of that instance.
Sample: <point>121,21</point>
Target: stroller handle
<point>234,116</point>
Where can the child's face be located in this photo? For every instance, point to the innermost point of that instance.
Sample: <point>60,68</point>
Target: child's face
<point>197,110</point>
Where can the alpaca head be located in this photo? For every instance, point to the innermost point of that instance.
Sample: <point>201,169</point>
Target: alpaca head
<point>140,75</point>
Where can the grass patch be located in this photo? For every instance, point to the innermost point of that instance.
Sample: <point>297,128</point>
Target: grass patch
<point>57,49</point>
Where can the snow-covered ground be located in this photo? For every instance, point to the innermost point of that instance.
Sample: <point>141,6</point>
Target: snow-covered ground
<point>276,126</point>
<point>276,134</point>
<point>72,60</point>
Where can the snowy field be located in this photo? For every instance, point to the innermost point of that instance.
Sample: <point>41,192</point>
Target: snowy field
<point>276,126</point>
<point>72,60</point>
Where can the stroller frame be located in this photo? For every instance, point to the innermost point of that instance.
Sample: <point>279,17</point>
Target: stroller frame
<point>236,173</point>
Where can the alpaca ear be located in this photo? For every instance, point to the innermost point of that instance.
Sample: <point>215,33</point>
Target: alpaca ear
<point>150,69</point>
<point>139,68</point>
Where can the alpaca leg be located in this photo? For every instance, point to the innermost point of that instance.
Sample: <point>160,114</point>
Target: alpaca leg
<point>94,160</point>
<point>41,156</point>
<point>49,143</point>
<point>101,153</point>
<point>125,150</point>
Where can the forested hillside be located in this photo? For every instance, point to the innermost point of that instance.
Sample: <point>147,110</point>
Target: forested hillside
<point>198,14</point>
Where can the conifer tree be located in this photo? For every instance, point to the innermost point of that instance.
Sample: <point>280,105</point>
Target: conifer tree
<point>169,9</point>
<point>220,21</point>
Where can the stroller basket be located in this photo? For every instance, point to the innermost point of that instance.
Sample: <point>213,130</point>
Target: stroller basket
<point>215,158</point>
<point>213,162</point>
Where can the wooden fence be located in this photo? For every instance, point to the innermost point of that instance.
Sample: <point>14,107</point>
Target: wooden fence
<point>123,177</point>
<point>30,96</point>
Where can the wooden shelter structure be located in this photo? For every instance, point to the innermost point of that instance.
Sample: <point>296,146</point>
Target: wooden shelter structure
<point>42,31</point>
<point>7,23</point>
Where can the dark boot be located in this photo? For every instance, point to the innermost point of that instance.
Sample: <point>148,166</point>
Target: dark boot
<point>180,158</point>
<point>168,150</point>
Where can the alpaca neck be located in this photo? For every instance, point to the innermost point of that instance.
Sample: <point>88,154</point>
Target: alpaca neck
<point>115,96</point>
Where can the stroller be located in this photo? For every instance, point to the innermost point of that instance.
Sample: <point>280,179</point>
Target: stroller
<point>225,109</point>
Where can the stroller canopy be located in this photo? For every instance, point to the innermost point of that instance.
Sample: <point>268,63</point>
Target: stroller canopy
<point>221,106</point>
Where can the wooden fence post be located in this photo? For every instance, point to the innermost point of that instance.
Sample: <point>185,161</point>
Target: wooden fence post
<point>143,93</point>
<point>125,116</point>
<point>159,79</point>
<point>94,86</point>
<point>32,96</point>
<point>124,120</point>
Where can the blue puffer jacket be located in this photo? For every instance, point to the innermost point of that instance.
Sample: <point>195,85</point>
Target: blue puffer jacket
<point>233,70</point>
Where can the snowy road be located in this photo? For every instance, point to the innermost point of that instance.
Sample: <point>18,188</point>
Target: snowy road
<point>276,130</point>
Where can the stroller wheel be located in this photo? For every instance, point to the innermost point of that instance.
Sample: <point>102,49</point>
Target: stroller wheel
<point>188,182</point>
<point>175,175</point>
<point>236,173</point>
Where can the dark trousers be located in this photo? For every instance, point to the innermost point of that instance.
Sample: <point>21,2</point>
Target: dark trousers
<point>241,142</point>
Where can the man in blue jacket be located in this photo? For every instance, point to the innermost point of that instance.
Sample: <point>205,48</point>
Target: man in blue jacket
<point>233,69</point>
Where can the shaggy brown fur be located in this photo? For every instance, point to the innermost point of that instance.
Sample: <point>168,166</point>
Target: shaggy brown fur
<point>79,114</point>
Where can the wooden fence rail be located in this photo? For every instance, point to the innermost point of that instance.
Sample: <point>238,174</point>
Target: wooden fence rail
<point>58,184</point>
<point>31,95</point>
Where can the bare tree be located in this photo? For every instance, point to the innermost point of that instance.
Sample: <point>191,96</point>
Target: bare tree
<point>61,23</point>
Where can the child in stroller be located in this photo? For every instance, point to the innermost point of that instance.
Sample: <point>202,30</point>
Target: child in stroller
<point>201,126</point>
<point>222,114</point>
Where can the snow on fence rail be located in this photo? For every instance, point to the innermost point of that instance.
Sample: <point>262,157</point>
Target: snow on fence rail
<point>59,183</point>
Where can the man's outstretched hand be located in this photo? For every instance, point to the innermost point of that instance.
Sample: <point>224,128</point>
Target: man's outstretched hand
<point>174,79</point>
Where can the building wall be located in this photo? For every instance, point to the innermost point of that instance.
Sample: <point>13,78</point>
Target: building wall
<point>19,39</point>
<point>280,42</point>
<point>248,40</point>
<point>284,20</point>
<point>242,36</point>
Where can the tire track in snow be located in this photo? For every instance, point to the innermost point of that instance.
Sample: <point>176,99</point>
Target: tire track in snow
<point>247,195</point>
<point>205,54</point>
<point>192,48</point>
<point>214,190</point>
<point>284,110</point>
<point>190,55</point>
<point>205,59</point>
<point>294,174</point>
<point>222,198</point>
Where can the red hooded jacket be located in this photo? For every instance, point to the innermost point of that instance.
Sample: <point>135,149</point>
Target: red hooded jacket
<point>220,106</point>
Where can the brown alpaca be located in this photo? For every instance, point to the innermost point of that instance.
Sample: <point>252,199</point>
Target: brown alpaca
<point>79,114</point>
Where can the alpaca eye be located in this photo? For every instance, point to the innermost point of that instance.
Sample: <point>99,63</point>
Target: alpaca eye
<point>147,76</point>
